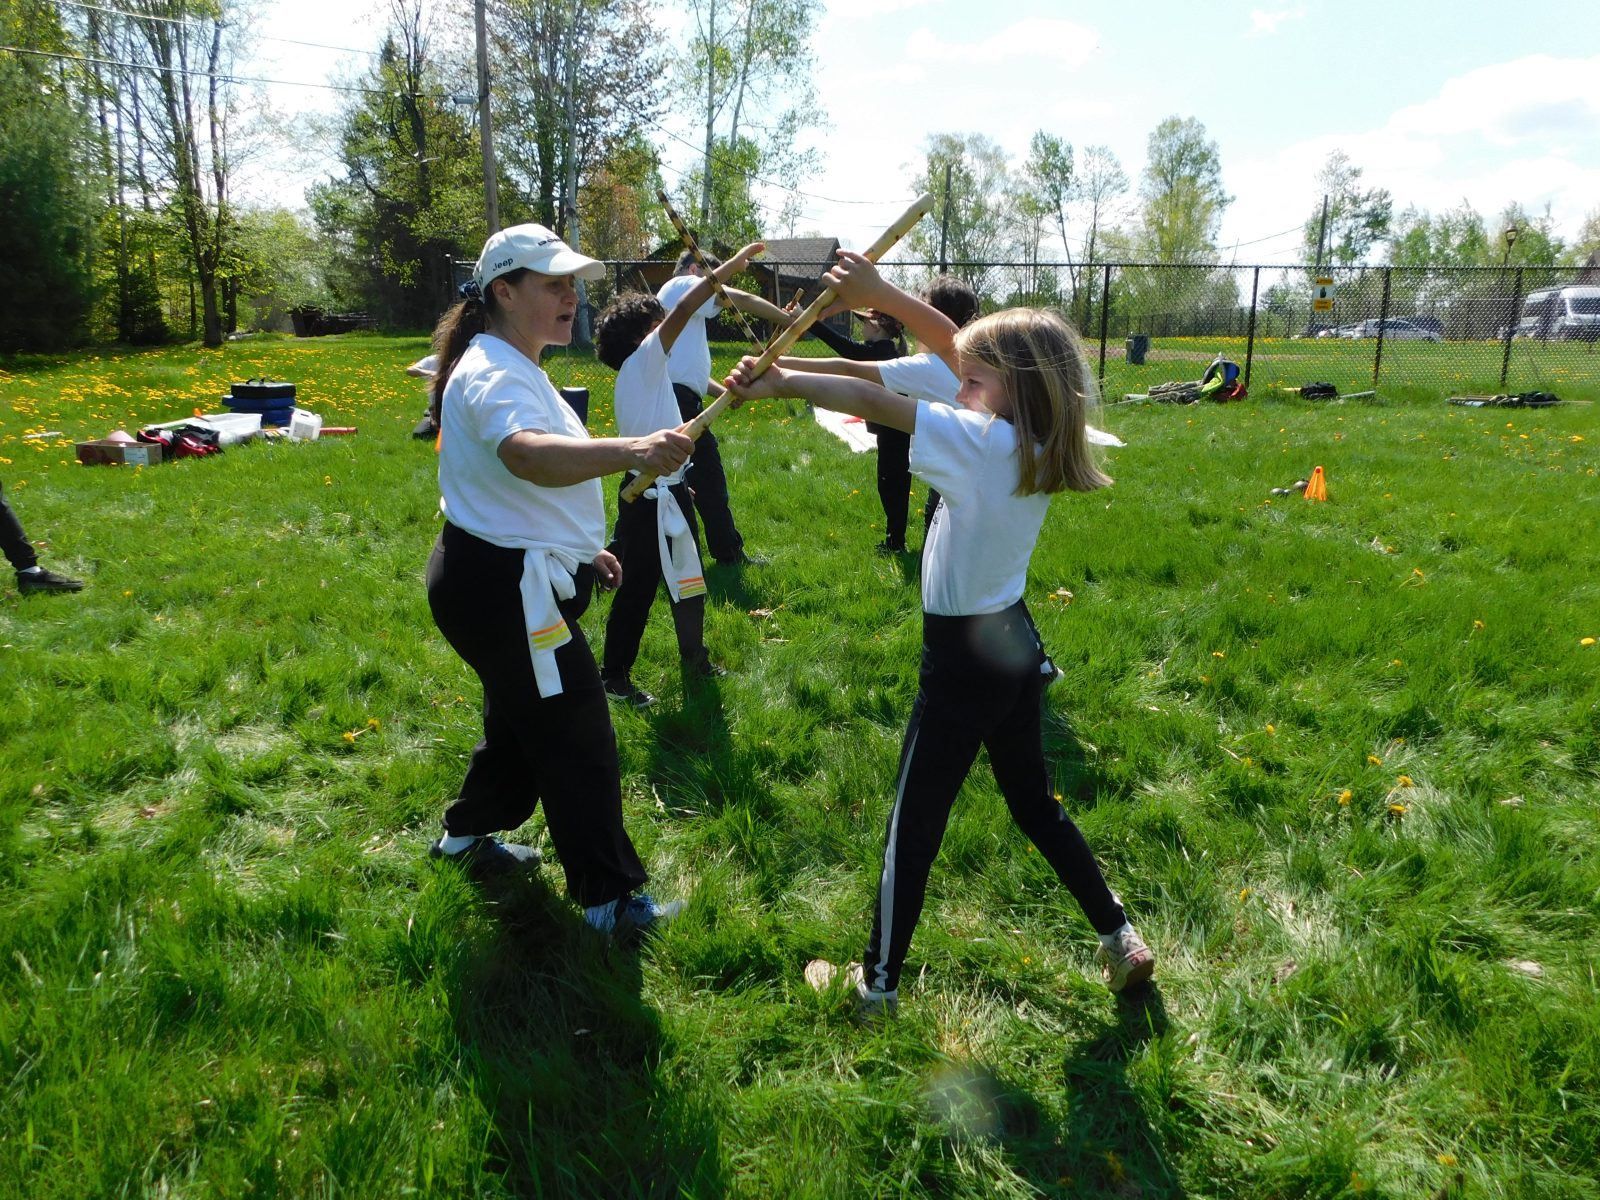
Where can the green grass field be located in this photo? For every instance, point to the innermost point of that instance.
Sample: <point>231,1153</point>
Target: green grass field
<point>1341,760</point>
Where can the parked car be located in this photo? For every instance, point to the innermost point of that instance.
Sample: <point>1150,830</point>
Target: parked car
<point>1396,329</point>
<point>1336,331</point>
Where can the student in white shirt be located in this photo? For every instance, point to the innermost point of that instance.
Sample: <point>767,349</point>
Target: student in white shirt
<point>522,546</point>
<point>656,534</point>
<point>1018,437</point>
<point>690,367</point>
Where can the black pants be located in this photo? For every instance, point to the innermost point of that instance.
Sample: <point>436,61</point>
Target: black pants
<point>979,686</point>
<point>14,543</point>
<point>558,749</point>
<point>709,484</point>
<point>636,545</point>
<point>894,480</point>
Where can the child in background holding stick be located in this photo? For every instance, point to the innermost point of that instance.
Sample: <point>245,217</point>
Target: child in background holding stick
<point>656,536</point>
<point>1018,436</point>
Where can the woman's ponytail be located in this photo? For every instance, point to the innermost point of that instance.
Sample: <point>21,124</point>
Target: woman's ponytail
<point>462,321</point>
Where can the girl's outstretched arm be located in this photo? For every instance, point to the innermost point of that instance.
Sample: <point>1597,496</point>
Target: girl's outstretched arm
<point>838,392</point>
<point>858,284</point>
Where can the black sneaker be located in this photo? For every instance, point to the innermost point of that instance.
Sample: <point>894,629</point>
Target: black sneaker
<point>704,668</point>
<point>489,857</point>
<point>623,689</point>
<point>888,547</point>
<point>46,581</point>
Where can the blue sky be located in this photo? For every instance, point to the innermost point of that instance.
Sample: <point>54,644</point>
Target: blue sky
<point>1438,102</point>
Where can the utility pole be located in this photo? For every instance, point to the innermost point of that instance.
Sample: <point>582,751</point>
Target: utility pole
<point>491,194</point>
<point>1322,231</point>
<point>944,220</point>
<point>581,325</point>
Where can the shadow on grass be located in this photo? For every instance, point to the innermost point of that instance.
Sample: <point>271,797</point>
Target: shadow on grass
<point>1105,1145</point>
<point>1076,774</point>
<point>566,1058</point>
<point>692,756</point>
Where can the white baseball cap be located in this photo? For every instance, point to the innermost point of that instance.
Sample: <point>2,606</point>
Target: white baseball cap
<point>535,248</point>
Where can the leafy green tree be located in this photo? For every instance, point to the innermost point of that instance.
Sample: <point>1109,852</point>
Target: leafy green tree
<point>1181,194</point>
<point>1101,184</point>
<point>412,191</point>
<point>734,216</point>
<point>970,222</point>
<point>48,194</point>
<point>1050,187</point>
<point>1358,219</point>
<point>617,203</point>
<point>588,86</point>
<point>747,76</point>
<point>1587,242</point>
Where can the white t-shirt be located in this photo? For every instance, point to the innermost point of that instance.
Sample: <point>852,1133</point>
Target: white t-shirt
<point>976,557</point>
<point>494,392</point>
<point>644,398</point>
<point>920,376</point>
<point>690,360</point>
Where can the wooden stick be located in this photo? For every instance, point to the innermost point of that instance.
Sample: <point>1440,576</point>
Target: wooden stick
<point>705,267</point>
<point>788,337</point>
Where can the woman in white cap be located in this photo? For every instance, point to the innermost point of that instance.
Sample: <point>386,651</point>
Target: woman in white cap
<point>522,548</point>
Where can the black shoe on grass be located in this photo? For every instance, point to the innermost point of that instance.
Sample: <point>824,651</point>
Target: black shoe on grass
<point>46,581</point>
<point>623,689</point>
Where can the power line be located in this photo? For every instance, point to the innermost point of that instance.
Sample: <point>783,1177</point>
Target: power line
<point>219,76</point>
<point>122,12</point>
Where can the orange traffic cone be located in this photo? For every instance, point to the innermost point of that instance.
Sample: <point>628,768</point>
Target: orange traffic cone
<point>1317,489</point>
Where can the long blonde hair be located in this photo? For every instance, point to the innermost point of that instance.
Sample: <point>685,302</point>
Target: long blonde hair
<point>1043,368</point>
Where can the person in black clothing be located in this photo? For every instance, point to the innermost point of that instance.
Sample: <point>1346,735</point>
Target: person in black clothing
<point>884,339</point>
<point>19,552</point>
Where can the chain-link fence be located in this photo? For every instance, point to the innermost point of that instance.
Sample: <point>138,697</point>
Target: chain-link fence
<point>1406,332</point>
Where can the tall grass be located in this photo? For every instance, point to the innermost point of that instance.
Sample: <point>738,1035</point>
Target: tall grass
<point>1339,759</point>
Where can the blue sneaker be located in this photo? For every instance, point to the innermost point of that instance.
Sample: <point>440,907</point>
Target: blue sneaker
<point>489,857</point>
<point>632,916</point>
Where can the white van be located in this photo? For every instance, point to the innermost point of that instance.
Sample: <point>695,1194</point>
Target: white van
<point>1561,314</point>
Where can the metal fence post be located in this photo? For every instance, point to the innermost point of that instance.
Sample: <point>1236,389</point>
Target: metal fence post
<point>1105,311</point>
<point>1250,334</point>
<point>1383,315</point>
<point>1511,327</point>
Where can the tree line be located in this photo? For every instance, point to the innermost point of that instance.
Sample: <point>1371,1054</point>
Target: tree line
<point>126,127</point>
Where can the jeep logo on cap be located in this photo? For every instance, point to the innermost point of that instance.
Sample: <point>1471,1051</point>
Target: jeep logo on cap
<point>504,262</point>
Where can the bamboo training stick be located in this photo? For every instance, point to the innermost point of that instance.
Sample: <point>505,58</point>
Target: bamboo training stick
<point>705,267</point>
<point>788,337</point>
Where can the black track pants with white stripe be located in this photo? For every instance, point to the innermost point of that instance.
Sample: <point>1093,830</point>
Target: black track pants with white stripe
<point>980,686</point>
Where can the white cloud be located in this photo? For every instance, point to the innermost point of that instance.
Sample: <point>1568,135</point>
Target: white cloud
<point>1037,37</point>
<point>1265,23</point>
<point>1524,132</point>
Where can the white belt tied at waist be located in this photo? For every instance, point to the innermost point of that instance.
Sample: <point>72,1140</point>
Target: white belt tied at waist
<point>680,556</point>
<point>547,579</point>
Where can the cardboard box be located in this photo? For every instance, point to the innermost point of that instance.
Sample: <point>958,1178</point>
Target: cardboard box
<point>134,454</point>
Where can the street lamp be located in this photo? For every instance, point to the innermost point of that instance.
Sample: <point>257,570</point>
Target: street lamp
<point>1510,236</point>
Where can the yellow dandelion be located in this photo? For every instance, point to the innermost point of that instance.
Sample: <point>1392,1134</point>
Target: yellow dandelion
<point>1445,1160</point>
<point>1397,810</point>
<point>1585,641</point>
<point>1205,679</point>
<point>1244,893</point>
<point>1478,625</point>
<point>349,735</point>
<point>372,722</point>
<point>1404,781</point>
<point>1219,654</point>
<point>1272,729</point>
<point>1375,760</point>
<point>1346,796</point>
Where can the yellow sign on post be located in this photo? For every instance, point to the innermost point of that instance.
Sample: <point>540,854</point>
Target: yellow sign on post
<point>1322,296</point>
